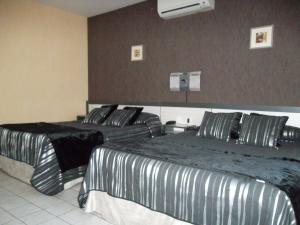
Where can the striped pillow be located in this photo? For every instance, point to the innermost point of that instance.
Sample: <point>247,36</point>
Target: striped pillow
<point>144,117</point>
<point>119,118</point>
<point>97,116</point>
<point>222,126</point>
<point>111,109</point>
<point>262,130</point>
<point>137,110</point>
<point>290,134</point>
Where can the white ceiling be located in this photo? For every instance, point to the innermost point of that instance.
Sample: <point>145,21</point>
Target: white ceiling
<point>90,7</point>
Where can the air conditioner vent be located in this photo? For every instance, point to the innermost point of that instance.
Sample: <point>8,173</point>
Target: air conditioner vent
<point>180,8</point>
<point>175,8</point>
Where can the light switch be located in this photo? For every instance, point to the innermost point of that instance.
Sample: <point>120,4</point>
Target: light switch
<point>194,80</point>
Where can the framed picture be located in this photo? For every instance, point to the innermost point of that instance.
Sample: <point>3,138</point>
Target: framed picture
<point>261,37</point>
<point>137,53</point>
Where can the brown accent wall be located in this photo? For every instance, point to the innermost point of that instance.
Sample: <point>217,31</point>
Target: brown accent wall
<point>43,63</point>
<point>215,42</point>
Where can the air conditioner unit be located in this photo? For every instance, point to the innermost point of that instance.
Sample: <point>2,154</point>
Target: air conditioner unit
<point>168,9</point>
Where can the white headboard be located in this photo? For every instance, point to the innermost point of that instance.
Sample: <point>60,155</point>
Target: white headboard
<point>195,114</point>
<point>149,109</point>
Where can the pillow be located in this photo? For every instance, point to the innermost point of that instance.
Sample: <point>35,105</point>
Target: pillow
<point>222,126</point>
<point>290,134</point>
<point>119,118</point>
<point>137,110</point>
<point>98,115</point>
<point>144,117</point>
<point>262,130</point>
<point>112,108</point>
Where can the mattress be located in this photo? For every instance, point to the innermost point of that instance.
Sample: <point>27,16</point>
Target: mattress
<point>200,181</point>
<point>37,151</point>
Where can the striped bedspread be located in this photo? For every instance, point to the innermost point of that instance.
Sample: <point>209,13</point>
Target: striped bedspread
<point>37,151</point>
<point>202,194</point>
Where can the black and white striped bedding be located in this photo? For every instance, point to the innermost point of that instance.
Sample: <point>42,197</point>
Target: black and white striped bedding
<point>200,181</point>
<point>37,151</point>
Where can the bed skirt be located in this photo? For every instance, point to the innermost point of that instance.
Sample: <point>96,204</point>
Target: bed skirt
<point>122,212</point>
<point>19,170</point>
<point>24,172</point>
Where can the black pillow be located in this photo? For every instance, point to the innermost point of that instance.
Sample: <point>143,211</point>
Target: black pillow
<point>222,126</point>
<point>290,134</point>
<point>111,107</point>
<point>137,110</point>
<point>119,118</point>
<point>97,115</point>
<point>262,130</point>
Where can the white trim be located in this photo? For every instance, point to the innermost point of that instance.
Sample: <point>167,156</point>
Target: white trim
<point>195,115</point>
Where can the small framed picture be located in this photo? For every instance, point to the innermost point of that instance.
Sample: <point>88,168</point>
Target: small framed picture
<point>261,37</point>
<point>137,53</point>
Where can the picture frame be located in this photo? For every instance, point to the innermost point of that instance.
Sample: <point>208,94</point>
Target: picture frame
<point>261,37</point>
<point>137,53</point>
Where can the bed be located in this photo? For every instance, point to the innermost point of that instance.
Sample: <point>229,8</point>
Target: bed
<point>189,179</point>
<point>29,151</point>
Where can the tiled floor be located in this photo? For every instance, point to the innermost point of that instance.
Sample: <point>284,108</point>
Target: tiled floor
<point>21,204</point>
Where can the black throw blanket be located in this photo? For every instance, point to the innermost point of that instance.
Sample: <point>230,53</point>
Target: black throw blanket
<point>72,146</point>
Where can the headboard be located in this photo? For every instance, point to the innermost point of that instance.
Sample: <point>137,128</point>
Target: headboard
<point>194,112</point>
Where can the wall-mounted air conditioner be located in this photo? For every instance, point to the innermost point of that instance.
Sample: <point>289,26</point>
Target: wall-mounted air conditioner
<point>168,9</point>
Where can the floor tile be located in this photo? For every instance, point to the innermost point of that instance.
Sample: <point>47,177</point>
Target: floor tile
<point>75,216</point>
<point>14,222</point>
<point>21,204</point>
<point>44,201</point>
<point>24,210</point>
<point>93,220</point>
<point>20,188</point>
<point>77,187</point>
<point>2,189</point>
<point>4,193</point>
<point>69,196</point>
<point>5,197</point>
<point>60,209</point>
<point>8,183</point>
<point>4,179</point>
<point>55,221</point>
<point>37,218</point>
<point>12,202</point>
<point>97,214</point>
<point>5,217</point>
<point>29,195</point>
